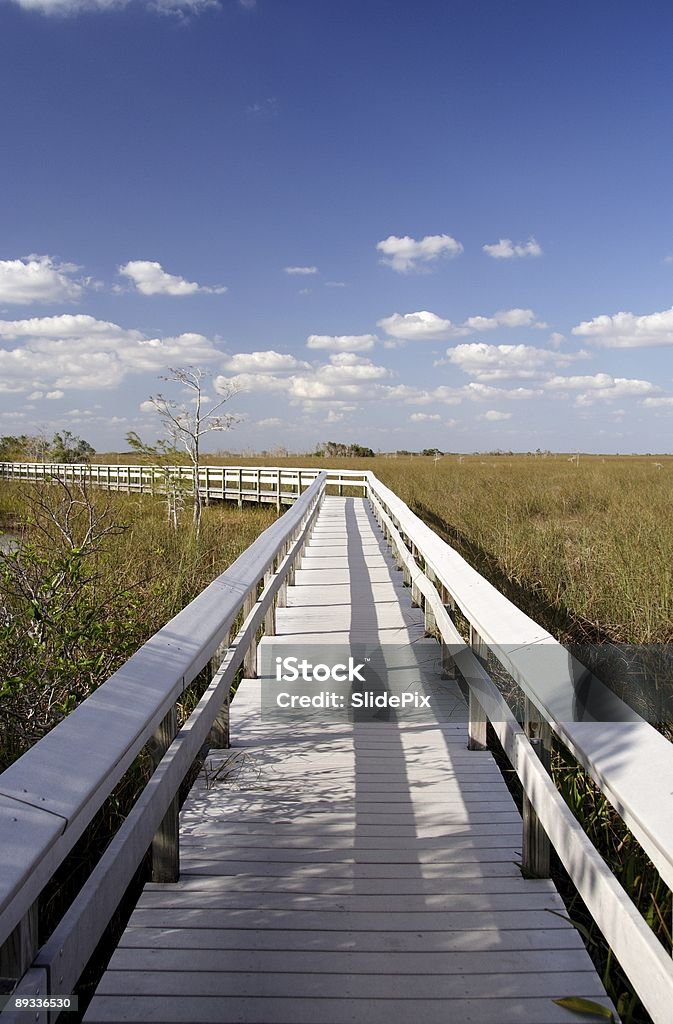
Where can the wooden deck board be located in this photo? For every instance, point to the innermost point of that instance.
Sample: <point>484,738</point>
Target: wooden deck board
<point>337,872</point>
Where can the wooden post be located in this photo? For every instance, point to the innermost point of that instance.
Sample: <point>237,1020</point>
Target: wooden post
<point>277,490</point>
<point>240,488</point>
<point>18,951</point>
<point>430,620</point>
<point>218,737</point>
<point>250,660</point>
<point>477,716</point>
<point>536,846</point>
<point>270,614</point>
<point>448,663</point>
<point>166,842</point>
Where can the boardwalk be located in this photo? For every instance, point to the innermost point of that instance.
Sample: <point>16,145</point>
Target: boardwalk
<point>347,871</point>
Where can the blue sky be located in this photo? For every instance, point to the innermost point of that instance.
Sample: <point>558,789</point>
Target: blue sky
<point>402,224</point>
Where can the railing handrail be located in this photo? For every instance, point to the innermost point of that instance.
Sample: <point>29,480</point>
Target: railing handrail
<point>44,805</point>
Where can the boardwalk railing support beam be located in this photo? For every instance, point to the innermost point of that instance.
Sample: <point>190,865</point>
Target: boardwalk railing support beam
<point>250,660</point>
<point>18,952</point>
<point>448,662</point>
<point>476,732</point>
<point>218,738</point>
<point>536,846</point>
<point>166,842</point>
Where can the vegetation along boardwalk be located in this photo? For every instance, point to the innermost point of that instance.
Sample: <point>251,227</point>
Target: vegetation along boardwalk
<point>349,863</point>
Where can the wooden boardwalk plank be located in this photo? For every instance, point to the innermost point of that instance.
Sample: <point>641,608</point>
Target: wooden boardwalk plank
<point>348,871</point>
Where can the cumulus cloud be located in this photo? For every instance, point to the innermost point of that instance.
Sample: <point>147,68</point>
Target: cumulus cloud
<point>420,326</point>
<point>76,351</point>
<point>504,318</point>
<point>270,421</point>
<point>426,326</point>
<point>346,377</point>
<point>506,249</point>
<point>424,417</point>
<point>301,270</point>
<point>405,254</point>
<point>657,403</point>
<point>493,416</point>
<point>150,278</point>
<point>269,361</point>
<point>342,342</point>
<point>38,279</point>
<point>601,387</point>
<point>486,392</point>
<point>627,330</point>
<point>500,362</point>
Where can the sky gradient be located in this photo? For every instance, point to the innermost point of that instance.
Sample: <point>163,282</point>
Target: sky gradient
<point>405,225</point>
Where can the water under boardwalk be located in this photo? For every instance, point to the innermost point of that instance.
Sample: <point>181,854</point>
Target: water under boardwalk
<point>349,869</point>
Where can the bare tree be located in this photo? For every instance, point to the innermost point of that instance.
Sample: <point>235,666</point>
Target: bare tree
<point>188,422</point>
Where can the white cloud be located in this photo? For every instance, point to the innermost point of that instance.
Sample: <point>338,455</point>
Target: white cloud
<point>500,362</point>
<point>269,361</point>
<point>424,417</point>
<point>150,278</point>
<point>346,377</point>
<point>335,284</point>
<point>601,387</point>
<point>55,394</point>
<point>342,342</point>
<point>556,339</point>
<point>627,330</point>
<point>657,403</point>
<point>76,351</point>
<point>420,326</point>
<point>506,249</point>
<point>504,318</point>
<point>493,416</point>
<point>426,326</point>
<point>422,396</point>
<point>301,270</point>
<point>38,279</point>
<point>347,366</point>
<point>270,421</point>
<point>404,254</point>
<point>483,392</point>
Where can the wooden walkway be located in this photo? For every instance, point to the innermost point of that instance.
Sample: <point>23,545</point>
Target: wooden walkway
<point>349,871</point>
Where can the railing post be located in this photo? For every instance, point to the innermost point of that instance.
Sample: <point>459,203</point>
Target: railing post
<point>166,842</point>
<point>270,614</point>
<point>277,490</point>
<point>250,660</point>
<point>240,488</point>
<point>448,663</point>
<point>218,737</point>
<point>18,951</point>
<point>536,846</point>
<point>477,716</point>
<point>430,621</point>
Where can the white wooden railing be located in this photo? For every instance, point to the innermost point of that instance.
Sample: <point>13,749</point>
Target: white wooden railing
<point>269,485</point>
<point>41,818</point>
<point>50,795</point>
